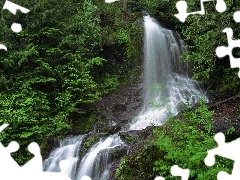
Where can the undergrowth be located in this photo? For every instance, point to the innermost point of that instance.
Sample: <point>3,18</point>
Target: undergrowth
<point>183,141</point>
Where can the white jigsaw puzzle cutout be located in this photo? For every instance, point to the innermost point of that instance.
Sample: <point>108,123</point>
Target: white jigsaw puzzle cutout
<point>236,16</point>
<point>16,27</point>
<point>111,1</point>
<point>223,51</point>
<point>177,171</point>
<point>182,9</point>
<point>228,150</point>
<point>33,169</point>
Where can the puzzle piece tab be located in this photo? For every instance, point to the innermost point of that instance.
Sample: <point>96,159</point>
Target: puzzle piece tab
<point>228,150</point>
<point>12,7</point>
<point>7,163</point>
<point>33,169</point>
<point>35,164</point>
<point>16,27</point>
<point>182,9</point>
<point>159,178</point>
<point>177,171</point>
<point>222,51</point>
<point>236,16</point>
<point>2,127</point>
<point>110,1</point>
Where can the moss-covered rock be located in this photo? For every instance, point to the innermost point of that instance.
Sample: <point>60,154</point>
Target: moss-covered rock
<point>139,165</point>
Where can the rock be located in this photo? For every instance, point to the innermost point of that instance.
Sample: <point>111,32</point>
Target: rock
<point>116,154</point>
<point>121,106</point>
<point>221,125</point>
<point>224,124</point>
<point>135,139</point>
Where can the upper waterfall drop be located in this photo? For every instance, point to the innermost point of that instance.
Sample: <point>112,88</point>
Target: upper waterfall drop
<point>166,81</point>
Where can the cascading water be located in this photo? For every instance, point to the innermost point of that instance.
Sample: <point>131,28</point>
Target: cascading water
<point>69,149</point>
<point>166,84</point>
<point>95,164</point>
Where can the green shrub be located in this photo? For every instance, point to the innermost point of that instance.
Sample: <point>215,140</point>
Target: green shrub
<point>138,165</point>
<point>185,142</point>
<point>182,141</point>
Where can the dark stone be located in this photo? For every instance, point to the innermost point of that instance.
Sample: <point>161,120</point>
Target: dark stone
<point>116,154</point>
<point>224,124</point>
<point>50,146</point>
<point>121,106</point>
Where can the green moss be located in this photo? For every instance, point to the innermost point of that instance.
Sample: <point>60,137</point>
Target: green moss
<point>139,165</point>
<point>127,138</point>
<point>90,142</point>
<point>83,125</point>
<point>83,118</point>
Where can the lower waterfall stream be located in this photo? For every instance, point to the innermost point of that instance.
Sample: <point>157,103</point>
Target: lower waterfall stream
<point>166,87</point>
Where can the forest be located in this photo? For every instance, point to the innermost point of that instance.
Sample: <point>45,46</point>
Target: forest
<point>71,54</point>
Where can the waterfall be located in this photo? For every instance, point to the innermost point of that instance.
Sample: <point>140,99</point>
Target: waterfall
<point>166,87</point>
<point>166,82</point>
<point>95,163</point>
<point>69,149</point>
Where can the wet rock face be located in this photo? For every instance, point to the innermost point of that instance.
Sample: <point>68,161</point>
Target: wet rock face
<point>117,110</point>
<point>116,154</point>
<point>226,116</point>
<point>121,106</point>
<point>224,125</point>
<point>228,108</point>
<point>134,136</point>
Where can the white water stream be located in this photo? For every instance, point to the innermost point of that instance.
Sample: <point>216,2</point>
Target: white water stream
<point>69,149</point>
<point>95,163</point>
<point>166,87</point>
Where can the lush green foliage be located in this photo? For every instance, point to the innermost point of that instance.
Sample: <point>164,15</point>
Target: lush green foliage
<point>70,53</point>
<point>203,34</point>
<point>181,141</point>
<point>90,142</point>
<point>59,65</point>
<point>140,165</point>
<point>185,142</point>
